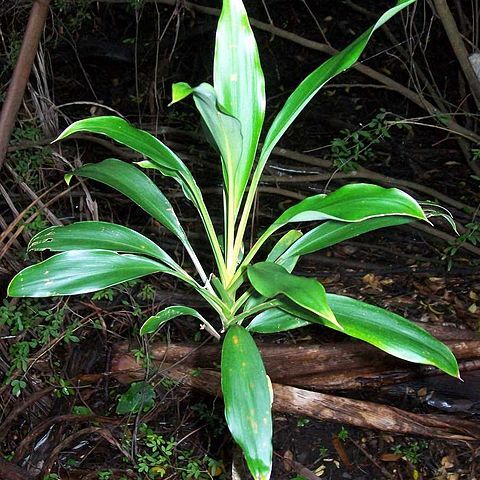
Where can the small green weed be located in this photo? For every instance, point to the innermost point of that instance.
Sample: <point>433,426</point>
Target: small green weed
<point>104,474</point>
<point>51,476</point>
<point>160,456</point>
<point>343,434</point>
<point>470,236</point>
<point>412,452</point>
<point>27,162</point>
<point>302,422</point>
<point>30,326</point>
<point>215,423</point>
<point>354,147</point>
<point>139,397</point>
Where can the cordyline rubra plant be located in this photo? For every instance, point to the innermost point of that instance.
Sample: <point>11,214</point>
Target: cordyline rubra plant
<point>247,297</point>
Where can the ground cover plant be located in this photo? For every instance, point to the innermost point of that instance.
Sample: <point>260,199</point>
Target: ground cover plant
<point>247,297</point>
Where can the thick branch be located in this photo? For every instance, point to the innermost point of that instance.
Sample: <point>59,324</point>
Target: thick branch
<point>28,51</point>
<point>458,46</point>
<point>336,409</point>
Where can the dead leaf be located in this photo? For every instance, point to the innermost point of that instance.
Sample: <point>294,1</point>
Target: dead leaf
<point>390,457</point>
<point>287,460</point>
<point>447,462</point>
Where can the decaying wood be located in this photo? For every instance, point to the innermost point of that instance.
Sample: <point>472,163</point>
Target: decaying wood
<point>336,409</point>
<point>333,366</point>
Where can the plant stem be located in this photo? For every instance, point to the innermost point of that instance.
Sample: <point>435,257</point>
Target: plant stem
<point>257,309</point>
<point>212,237</point>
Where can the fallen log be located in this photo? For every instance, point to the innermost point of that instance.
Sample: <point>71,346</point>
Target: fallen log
<point>346,411</point>
<point>333,366</point>
<point>305,370</point>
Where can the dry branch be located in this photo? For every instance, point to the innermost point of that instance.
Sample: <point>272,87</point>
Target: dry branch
<point>331,408</point>
<point>334,366</point>
<point>456,41</point>
<point>16,90</point>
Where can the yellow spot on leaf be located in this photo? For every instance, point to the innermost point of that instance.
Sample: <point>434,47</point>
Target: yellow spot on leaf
<point>235,340</point>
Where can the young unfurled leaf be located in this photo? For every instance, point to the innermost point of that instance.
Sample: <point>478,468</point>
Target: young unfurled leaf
<point>81,271</point>
<point>224,129</point>
<point>248,400</point>
<point>239,83</point>
<point>271,280</point>
<point>98,236</point>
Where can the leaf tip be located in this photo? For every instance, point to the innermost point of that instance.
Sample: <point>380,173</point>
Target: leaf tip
<point>68,178</point>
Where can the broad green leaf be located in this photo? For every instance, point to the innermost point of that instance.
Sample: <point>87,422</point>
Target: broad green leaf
<point>134,184</point>
<point>166,161</point>
<point>139,397</point>
<point>302,95</point>
<point>391,333</point>
<point>277,255</point>
<point>383,329</point>
<point>162,157</point>
<point>353,203</point>
<point>156,321</point>
<point>98,235</point>
<point>333,232</point>
<point>275,320</point>
<point>223,128</point>
<point>271,280</point>
<point>239,83</point>
<point>248,400</point>
<point>81,271</point>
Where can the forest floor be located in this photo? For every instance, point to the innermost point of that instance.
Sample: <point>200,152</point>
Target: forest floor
<point>63,414</point>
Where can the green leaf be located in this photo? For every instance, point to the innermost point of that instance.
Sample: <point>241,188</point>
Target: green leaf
<point>81,271</point>
<point>224,129</point>
<point>98,235</point>
<point>350,203</point>
<point>239,83</point>
<point>161,156</point>
<point>139,397</point>
<point>135,185</point>
<point>353,203</point>
<point>302,95</point>
<point>333,232</point>
<point>278,255</point>
<point>152,324</point>
<point>142,142</point>
<point>391,333</point>
<point>248,399</point>
<point>275,320</point>
<point>383,329</point>
<point>271,280</point>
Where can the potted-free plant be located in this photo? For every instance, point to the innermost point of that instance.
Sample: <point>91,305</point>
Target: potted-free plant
<point>246,297</point>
